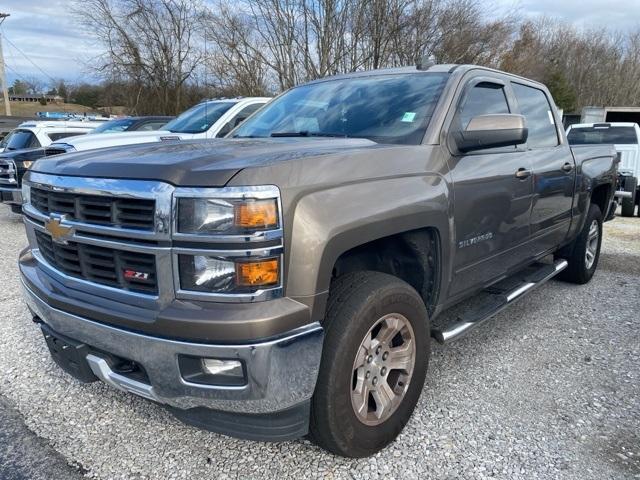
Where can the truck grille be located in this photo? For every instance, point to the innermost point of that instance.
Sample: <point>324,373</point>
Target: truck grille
<point>116,268</point>
<point>7,172</point>
<point>134,213</point>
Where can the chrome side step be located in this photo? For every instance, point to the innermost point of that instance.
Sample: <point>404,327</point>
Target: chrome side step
<point>499,299</point>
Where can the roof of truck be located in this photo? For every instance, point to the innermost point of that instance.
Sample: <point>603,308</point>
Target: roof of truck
<point>437,68</point>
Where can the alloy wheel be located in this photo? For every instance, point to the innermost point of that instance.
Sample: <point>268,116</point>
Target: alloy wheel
<point>382,369</point>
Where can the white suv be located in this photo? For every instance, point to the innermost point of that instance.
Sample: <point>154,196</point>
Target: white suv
<point>35,134</point>
<point>209,119</point>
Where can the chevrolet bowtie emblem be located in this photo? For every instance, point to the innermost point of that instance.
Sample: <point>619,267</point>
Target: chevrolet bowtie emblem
<point>59,233</point>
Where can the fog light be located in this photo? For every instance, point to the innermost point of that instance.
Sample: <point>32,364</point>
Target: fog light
<point>212,371</point>
<point>231,368</point>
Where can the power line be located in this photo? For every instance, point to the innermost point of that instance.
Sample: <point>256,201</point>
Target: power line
<point>28,59</point>
<point>15,72</point>
<point>3,77</point>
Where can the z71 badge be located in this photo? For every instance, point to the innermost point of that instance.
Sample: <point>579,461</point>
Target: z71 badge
<point>135,275</point>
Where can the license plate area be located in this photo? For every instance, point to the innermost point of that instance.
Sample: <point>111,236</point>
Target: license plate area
<point>69,354</point>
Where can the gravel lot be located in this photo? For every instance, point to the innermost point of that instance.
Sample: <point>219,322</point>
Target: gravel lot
<point>548,389</point>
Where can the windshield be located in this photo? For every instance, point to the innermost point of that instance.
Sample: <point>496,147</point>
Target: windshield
<point>114,126</point>
<point>19,139</point>
<point>602,134</point>
<point>382,108</point>
<point>198,119</point>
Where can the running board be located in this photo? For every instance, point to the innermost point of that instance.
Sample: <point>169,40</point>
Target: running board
<point>512,289</point>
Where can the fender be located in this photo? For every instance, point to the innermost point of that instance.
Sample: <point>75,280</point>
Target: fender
<point>591,173</point>
<point>330,222</point>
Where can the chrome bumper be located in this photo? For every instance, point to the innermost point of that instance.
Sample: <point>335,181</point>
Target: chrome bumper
<point>281,372</point>
<point>12,196</point>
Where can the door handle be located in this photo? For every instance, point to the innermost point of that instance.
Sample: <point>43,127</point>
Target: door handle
<point>523,173</point>
<point>567,167</point>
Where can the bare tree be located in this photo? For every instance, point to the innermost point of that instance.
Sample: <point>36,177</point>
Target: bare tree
<point>151,42</point>
<point>160,49</point>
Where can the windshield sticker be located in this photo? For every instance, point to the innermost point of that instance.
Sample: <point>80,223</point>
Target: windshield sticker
<point>408,117</point>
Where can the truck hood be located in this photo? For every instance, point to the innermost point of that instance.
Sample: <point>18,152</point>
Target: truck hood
<point>196,162</point>
<point>105,140</point>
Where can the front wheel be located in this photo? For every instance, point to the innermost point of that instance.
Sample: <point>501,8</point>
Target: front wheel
<point>374,363</point>
<point>584,252</point>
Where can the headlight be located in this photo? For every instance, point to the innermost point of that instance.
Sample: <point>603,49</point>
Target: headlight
<point>202,273</point>
<point>27,164</point>
<point>215,216</point>
<point>26,193</point>
<point>230,225</point>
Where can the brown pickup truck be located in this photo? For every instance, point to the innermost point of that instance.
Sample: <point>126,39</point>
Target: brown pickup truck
<point>287,280</point>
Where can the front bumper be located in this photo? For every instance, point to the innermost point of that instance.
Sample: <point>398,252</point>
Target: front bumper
<point>11,196</point>
<point>281,373</point>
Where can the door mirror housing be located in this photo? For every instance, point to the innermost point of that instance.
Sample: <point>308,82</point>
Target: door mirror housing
<point>492,131</point>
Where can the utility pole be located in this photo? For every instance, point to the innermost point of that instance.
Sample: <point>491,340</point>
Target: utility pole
<point>3,77</point>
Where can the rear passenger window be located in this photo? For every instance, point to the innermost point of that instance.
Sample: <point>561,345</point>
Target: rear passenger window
<point>536,109</point>
<point>483,99</point>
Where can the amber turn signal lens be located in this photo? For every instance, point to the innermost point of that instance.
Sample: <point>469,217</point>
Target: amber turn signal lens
<point>262,273</point>
<point>257,214</point>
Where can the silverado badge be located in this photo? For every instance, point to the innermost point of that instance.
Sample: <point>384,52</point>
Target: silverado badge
<point>59,233</point>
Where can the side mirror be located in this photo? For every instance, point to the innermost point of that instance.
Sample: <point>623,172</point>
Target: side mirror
<point>492,131</point>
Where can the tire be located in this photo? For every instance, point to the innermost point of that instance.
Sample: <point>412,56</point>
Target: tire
<point>629,204</point>
<point>357,303</point>
<point>581,268</point>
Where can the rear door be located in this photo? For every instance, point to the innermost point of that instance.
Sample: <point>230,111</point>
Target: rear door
<point>492,203</point>
<point>553,169</point>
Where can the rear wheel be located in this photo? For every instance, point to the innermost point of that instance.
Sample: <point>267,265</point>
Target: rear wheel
<point>583,254</point>
<point>629,204</point>
<point>373,366</point>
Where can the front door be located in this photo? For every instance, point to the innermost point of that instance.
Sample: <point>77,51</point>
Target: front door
<point>492,196</point>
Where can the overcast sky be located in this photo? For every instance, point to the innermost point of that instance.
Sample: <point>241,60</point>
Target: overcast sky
<point>46,32</point>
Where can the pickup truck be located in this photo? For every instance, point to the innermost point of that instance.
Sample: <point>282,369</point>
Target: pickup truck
<point>287,280</point>
<point>35,134</point>
<point>208,119</point>
<point>625,138</point>
<point>15,161</point>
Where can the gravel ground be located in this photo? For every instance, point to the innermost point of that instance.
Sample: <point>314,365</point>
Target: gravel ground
<point>548,389</point>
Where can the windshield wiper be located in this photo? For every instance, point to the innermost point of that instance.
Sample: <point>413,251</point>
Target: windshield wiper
<point>306,133</point>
